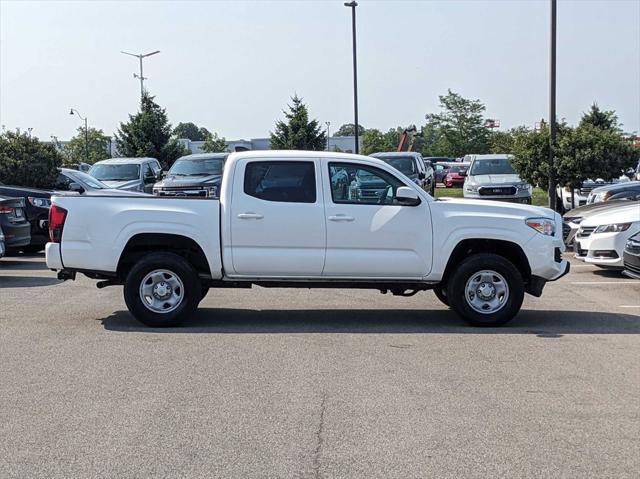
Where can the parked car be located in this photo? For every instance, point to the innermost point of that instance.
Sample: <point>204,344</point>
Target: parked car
<point>440,170</point>
<point>631,257</point>
<point>279,222</point>
<point>131,174</point>
<point>618,191</point>
<point>601,238</point>
<point>85,184</point>
<point>578,197</point>
<point>14,224</point>
<point>455,175</point>
<point>36,212</point>
<point>491,177</point>
<point>1,242</point>
<point>193,175</point>
<point>412,165</point>
<point>572,219</point>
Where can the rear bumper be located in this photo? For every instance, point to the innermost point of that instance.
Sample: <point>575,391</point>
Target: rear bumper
<point>16,235</point>
<point>53,256</point>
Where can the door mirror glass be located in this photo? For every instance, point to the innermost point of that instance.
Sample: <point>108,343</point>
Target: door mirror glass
<point>407,196</point>
<point>76,187</point>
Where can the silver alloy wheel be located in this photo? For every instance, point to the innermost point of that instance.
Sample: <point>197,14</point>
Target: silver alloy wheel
<point>161,291</point>
<point>486,292</point>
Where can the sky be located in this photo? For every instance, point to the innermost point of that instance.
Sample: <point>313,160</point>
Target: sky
<point>233,66</point>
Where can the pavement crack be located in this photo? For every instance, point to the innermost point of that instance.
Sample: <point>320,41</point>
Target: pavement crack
<point>319,438</point>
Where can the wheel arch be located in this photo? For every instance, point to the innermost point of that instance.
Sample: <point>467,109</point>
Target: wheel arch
<point>143,243</point>
<point>507,249</point>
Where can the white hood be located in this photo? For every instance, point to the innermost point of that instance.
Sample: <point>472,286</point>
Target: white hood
<point>623,214</point>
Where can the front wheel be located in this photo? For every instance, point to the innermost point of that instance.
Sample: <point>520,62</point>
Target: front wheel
<point>162,290</point>
<point>486,290</point>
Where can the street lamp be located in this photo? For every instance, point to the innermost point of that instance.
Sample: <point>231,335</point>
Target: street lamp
<point>352,6</point>
<point>86,133</point>
<point>140,56</point>
<point>552,106</point>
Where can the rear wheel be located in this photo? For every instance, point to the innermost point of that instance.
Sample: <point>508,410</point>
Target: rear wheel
<point>486,290</point>
<point>162,290</point>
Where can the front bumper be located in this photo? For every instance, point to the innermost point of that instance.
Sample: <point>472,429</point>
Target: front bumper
<point>545,255</point>
<point>631,264</point>
<point>525,200</point>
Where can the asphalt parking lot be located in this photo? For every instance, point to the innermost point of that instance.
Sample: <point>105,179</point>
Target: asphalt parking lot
<point>322,383</point>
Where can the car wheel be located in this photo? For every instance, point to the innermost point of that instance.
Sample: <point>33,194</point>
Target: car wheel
<point>441,294</point>
<point>32,248</point>
<point>162,290</point>
<point>486,290</point>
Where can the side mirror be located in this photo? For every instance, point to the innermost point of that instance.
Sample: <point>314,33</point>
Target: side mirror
<point>76,187</point>
<point>421,175</point>
<point>463,173</point>
<point>407,196</point>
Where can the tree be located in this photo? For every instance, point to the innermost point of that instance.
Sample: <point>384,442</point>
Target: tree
<point>25,161</point>
<point>603,119</point>
<point>214,144</point>
<point>97,148</point>
<point>374,140</point>
<point>501,141</point>
<point>190,131</point>
<point>349,129</point>
<point>298,133</point>
<point>148,133</point>
<point>461,125</point>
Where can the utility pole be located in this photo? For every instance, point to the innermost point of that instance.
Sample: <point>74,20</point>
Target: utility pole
<point>552,108</point>
<point>86,133</point>
<point>142,78</point>
<point>328,123</point>
<point>352,6</point>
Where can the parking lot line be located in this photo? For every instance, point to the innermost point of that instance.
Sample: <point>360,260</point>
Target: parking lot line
<point>629,306</point>
<point>604,282</point>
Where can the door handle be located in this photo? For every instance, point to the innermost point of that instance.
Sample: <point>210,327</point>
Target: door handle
<point>341,218</point>
<point>250,216</point>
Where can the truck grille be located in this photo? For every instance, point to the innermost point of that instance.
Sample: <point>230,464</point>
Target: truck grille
<point>497,191</point>
<point>586,231</point>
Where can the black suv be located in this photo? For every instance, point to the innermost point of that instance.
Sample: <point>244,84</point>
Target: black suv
<point>199,174</point>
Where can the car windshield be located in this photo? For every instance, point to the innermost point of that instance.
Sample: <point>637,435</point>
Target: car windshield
<point>110,172</point>
<point>88,180</point>
<point>457,168</point>
<point>365,175</point>
<point>201,167</point>
<point>492,166</point>
<point>405,165</point>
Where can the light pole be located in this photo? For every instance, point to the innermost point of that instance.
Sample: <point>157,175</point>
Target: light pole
<point>552,108</point>
<point>140,56</point>
<point>86,133</point>
<point>352,6</point>
<point>328,123</point>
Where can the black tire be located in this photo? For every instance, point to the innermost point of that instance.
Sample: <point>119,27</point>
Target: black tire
<point>32,248</point>
<point>440,292</point>
<point>178,266</point>
<point>456,289</point>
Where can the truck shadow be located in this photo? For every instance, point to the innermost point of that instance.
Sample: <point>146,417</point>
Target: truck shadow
<point>546,324</point>
<point>27,281</point>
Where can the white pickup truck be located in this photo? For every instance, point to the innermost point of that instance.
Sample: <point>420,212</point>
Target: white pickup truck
<point>292,219</point>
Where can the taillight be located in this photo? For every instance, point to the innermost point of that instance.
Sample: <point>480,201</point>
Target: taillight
<point>57,215</point>
<point>6,209</point>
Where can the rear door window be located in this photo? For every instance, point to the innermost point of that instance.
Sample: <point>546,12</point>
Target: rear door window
<point>284,181</point>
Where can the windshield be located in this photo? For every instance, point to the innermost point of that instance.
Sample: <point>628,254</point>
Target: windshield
<point>492,166</point>
<point>458,168</point>
<point>107,172</point>
<point>405,165</point>
<point>203,167</point>
<point>88,180</point>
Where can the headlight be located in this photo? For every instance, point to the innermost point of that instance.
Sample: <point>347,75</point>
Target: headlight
<point>613,228</point>
<point>542,225</point>
<point>212,191</point>
<point>471,188</point>
<point>39,202</point>
<point>524,187</point>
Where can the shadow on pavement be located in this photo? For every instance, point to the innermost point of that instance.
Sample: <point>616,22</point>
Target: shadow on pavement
<point>27,281</point>
<point>546,324</point>
<point>16,264</point>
